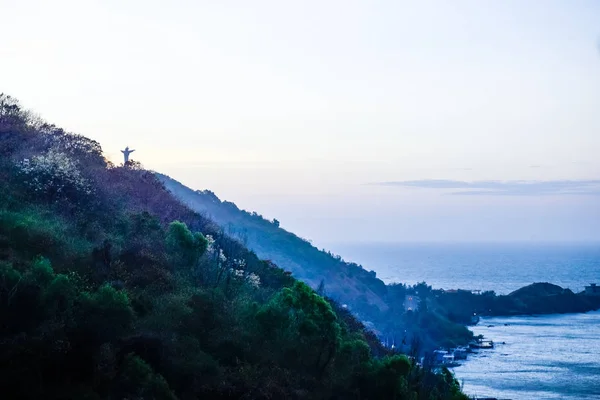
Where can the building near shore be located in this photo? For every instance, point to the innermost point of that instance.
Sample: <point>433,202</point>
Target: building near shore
<point>592,290</point>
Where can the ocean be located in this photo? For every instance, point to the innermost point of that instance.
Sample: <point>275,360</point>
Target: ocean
<point>484,266</point>
<point>543,357</point>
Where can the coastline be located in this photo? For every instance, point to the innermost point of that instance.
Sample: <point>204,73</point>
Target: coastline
<point>547,356</point>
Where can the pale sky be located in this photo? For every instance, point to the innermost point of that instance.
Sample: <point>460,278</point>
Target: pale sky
<point>346,120</point>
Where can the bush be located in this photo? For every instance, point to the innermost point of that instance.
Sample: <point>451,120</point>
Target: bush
<point>184,247</point>
<point>138,381</point>
<point>105,314</point>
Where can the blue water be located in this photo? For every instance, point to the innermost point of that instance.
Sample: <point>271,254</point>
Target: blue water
<point>499,267</point>
<point>544,357</point>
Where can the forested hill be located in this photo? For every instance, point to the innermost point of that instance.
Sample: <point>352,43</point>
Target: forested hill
<point>380,306</point>
<point>346,282</point>
<point>110,288</point>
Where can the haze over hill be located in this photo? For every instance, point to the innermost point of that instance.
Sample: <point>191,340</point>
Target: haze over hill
<point>346,282</point>
<point>360,289</point>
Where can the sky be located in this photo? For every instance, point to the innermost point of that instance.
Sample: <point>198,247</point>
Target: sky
<point>348,121</point>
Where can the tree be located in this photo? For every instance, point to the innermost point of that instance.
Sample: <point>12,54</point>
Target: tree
<point>183,246</point>
<point>106,314</point>
<point>12,116</point>
<point>304,323</point>
<point>137,380</point>
<point>321,288</point>
<point>54,175</point>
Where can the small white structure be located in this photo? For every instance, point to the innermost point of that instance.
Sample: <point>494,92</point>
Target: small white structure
<point>411,302</point>
<point>448,359</point>
<point>443,357</point>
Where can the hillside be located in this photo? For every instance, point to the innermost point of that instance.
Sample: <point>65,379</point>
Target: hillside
<point>346,282</point>
<point>547,298</point>
<point>537,298</point>
<point>110,288</point>
<point>442,316</point>
<point>381,307</point>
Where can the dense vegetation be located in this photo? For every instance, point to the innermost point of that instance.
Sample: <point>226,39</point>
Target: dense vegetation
<point>348,282</point>
<point>110,288</point>
<point>379,306</point>
<point>537,298</point>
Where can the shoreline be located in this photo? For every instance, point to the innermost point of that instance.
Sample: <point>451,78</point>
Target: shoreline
<point>540,356</point>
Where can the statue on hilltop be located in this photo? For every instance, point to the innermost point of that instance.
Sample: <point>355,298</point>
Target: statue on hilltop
<point>126,154</point>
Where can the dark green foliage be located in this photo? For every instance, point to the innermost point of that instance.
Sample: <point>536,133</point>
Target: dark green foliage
<point>106,314</point>
<point>537,298</point>
<point>347,283</point>
<point>137,380</point>
<point>183,247</point>
<point>302,328</point>
<point>128,294</point>
<point>430,324</point>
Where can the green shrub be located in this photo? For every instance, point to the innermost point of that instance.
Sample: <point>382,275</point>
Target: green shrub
<point>106,314</point>
<point>137,380</point>
<point>184,247</point>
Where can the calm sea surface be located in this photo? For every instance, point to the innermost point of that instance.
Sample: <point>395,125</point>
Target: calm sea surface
<point>544,357</point>
<point>499,267</point>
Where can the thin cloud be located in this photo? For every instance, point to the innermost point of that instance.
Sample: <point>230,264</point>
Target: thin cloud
<point>505,188</point>
<point>460,169</point>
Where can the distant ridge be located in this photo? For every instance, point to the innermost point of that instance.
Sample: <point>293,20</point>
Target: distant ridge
<point>379,306</point>
<point>348,283</point>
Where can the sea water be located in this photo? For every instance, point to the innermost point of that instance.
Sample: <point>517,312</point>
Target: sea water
<point>543,357</point>
<point>484,266</point>
<point>536,357</point>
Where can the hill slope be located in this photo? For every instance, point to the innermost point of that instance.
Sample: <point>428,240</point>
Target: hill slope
<point>110,288</point>
<point>381,307</point>
<point>348,283</point>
